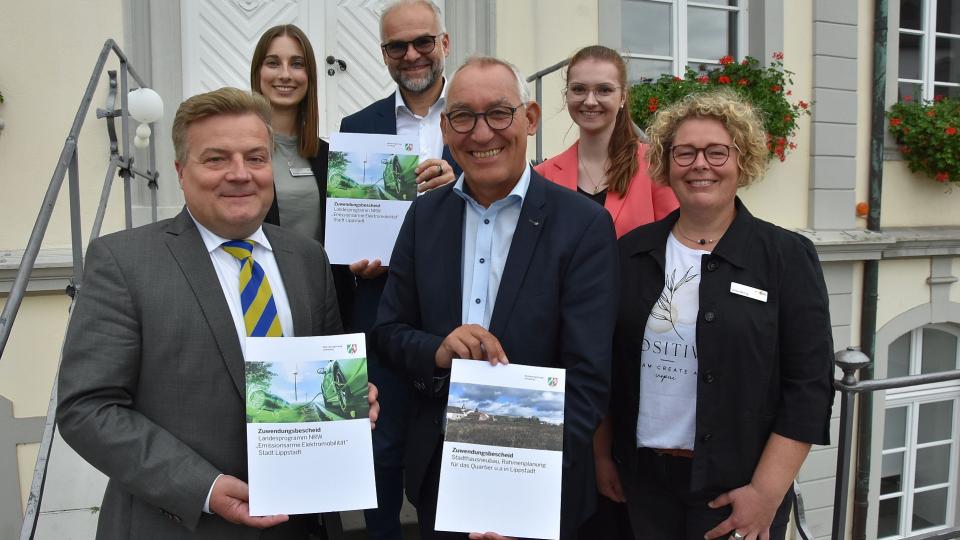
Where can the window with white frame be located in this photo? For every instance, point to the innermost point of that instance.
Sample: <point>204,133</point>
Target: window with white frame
<point>921,438</point>
<point>668,36</point>
<point>929,49</point>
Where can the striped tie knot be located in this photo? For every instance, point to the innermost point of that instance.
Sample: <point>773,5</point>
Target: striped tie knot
<point>256,299</point>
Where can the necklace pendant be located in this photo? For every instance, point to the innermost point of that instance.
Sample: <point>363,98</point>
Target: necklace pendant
<point>702,241</point>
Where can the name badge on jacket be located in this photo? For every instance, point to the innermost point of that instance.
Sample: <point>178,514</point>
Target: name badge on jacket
<point>749,292</point>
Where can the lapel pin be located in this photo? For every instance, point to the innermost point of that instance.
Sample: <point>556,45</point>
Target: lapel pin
<point>534,223</point>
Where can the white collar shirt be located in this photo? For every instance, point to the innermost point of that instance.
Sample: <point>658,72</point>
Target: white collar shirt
<point>425,129</point>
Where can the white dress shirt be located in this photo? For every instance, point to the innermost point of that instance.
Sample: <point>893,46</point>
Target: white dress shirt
<point>425,128</point>
<point>228,272</point>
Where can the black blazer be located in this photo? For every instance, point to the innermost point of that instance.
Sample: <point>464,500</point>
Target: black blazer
<point>763,366</point>
<point>555,307</point>
<point>342,278</point>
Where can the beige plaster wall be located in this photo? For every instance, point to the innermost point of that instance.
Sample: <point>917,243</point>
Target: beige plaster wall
<point>29,365</point>
<point>49,50</point>
<point>902,286</point>
<point>955,288</point>
<point>865,11</point>
<point>781,197</point>
<point>535,34</point>
<point>914,200</point>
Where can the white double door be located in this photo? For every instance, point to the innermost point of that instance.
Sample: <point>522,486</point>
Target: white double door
<point>218,37</point>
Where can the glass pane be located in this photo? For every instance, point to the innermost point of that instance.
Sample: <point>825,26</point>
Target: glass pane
<point>908,89</point>
<point>891,473</point>
<point>947,66</point>
<point>936,422</point>
<point>643,70</point>
<point>895,428</point>
<point>952,92</point>
<point>702,67</point>
<point>910,60</point>
<point>948,17</point>
<point>711,33</point>
<point>933,466</point>
<point>898,357</point>
<point>929,509</point>
<point>718,2</point>
<point>911,14</point>
<point>939,351</point>
<point>888,522</point>
<point>647,27</point>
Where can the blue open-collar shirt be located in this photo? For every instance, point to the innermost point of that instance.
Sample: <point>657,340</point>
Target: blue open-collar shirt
<point>487,235</point>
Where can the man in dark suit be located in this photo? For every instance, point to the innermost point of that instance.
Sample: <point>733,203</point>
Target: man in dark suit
<point>415,47</point>
<point>151,388</point>
<point>501,264</point>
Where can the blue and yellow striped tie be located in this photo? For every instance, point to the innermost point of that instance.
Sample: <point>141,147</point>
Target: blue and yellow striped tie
<point>256,298</point>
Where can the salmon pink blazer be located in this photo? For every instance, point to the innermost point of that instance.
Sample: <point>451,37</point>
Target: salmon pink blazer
<point>643,203</point>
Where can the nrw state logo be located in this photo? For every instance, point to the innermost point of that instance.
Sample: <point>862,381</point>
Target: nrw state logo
<point>552,381</point>
<point>351,348</point>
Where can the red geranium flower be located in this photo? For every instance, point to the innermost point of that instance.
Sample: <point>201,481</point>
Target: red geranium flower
<point>789,92</point>
<point>776,88</point>
<point>894,122</point>
<point>803,104</point>
<point>778,55</point>
<point>723,79</point>
<point>743,82</point>
<point>931,113</point>
<point>788,118</point>
<point>950,130</point>
<point>907,98</point>
<point>942,176</point>
<point>703,79</point>
<point>676,78</point>
<point>938,99</point>
<point>726,60</point>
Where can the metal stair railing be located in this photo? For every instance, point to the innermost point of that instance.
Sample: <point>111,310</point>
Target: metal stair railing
<point>121,164</point>
<point>850,361</point>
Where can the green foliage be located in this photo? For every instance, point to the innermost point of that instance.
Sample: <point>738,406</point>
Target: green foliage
<point>763,87</point>
<point>927,133</point>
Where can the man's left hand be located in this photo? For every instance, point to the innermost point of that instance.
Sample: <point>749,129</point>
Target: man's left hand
<point>433,173</point>
<point>374,404</point>
<point>752,515</point>
<point>489,536</point>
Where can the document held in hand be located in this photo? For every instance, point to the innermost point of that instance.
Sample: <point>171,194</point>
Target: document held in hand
<point>309,447</point>
<point>502,450</point>
<point>371,182</point>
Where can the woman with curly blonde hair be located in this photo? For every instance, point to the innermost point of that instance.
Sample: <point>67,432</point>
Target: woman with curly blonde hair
<point>716,402</point>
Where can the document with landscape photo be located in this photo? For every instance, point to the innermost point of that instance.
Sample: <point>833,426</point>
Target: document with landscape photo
<point>371,181</point>
<point>309,447</point>
<point>502,450</point>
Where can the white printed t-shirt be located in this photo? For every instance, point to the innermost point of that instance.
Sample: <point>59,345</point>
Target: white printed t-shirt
<point>668,359</point>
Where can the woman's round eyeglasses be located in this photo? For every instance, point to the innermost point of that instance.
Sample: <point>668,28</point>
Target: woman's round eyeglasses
<point>498,118</point>
<point>398,49</point>
<point>716,154</point>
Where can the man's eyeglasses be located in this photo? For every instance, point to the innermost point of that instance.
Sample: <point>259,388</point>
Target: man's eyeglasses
<point>498,118</point>
<point>716,154</point>
<point>579,92</point>
<point>398,49</point>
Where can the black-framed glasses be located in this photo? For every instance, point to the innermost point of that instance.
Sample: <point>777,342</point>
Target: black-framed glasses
<point>716,154</point>
<point>398,49</point>
<point>498,118</point>
<point>579,92</point>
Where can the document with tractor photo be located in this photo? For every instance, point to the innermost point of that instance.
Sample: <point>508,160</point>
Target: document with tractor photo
<point>371,181</point>
<point>503,442</point>
<point>309,447</point>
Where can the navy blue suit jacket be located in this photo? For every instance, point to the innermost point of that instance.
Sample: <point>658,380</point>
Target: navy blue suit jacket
<point>556,307</point>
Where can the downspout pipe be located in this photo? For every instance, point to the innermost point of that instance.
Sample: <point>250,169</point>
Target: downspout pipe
<point>871,270</point>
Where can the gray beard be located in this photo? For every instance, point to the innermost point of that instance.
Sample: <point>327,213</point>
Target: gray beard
<point>417,86</point>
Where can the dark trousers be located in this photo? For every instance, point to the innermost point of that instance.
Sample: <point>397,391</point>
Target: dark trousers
<point>661,505</point>
<point>383,522</point>
<point>427,506</point>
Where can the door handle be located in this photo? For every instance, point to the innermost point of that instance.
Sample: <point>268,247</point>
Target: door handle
<point>338,62</point>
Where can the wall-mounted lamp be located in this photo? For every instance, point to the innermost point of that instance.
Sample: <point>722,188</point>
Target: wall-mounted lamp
<point>145,107</point>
